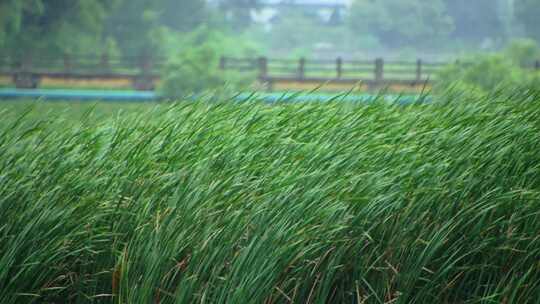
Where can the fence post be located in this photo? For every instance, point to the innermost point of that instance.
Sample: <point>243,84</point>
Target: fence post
<point>145,64</point>
<point>418,70</point>
<point>263,68</point>
<point>339,67</point>
<point>144,81</point>
<point>104,61</point>
<point>23,77</point>
<point>68,65</point>
<point>26,63</point>
<point>379,70</point>
<point>537,65</point>
<point>222,63</point>
<point>302,68</point>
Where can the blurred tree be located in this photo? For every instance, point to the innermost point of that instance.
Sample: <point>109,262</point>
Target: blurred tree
<point>397,22</point>
<point>135,24</point>
<point>485,72</point>
<point>193,63</point>
<point>51,26</point>
<point>131,24</point>
<point>475,20</point>
<point>183,15</point>
<point>238,12</point>
<point>336,18</point>
<point>527,13</point>
<point>523,52</point>
<point>77,26</point>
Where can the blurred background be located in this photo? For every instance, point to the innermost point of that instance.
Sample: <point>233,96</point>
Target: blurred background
<point>180,46</point>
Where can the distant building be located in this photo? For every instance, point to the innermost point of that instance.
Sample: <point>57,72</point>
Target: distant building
<point>307,3</point>
<point>299,3</point>
<point>268,11</point>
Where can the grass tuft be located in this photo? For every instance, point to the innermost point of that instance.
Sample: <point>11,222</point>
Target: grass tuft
<point>325,202</point>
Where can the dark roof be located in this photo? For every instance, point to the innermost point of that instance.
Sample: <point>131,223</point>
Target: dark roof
<point>312,3</point>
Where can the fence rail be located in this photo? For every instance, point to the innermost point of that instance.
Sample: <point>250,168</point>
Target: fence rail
<point>377,70</point>
<point>144,71</point>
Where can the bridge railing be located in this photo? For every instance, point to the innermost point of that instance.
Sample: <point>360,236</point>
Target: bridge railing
<point>27,71</point>
<point>92,65</point>
<point>145,70</point>
<point>374,73</point>
<point>336,69</point>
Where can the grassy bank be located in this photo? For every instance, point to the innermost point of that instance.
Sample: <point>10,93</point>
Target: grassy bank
<point>284,203</point>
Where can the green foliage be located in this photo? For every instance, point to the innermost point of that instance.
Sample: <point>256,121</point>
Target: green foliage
<point>220,41</point>
<point>88,26</point>
<point>485,72</point>
<point>295,31</point>
<point>194,68</point>
<point>132,25</point>
<point>512,67</point>
<point>428,24</point>
<point>182,16</point>
<point>135,24</point>
<point>398,23</point>
<point>238,11</point>
<point>524,53</point>
<point>192,71</point>
<point>51,26</point>
<point>527,12</point>
<point>290,203</point>
<point>475,20</point>
<point>299,34</point>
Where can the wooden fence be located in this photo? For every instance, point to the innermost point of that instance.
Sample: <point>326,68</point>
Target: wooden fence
<point>140,72</point>
<point>374,73</point>
<point>143,72</point>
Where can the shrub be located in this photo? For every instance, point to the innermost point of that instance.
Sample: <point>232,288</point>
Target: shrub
<point>193,64</point>
<point>523,52</point>
<point>486,72</point>
<point>512,67</point>
<point>197,70</point>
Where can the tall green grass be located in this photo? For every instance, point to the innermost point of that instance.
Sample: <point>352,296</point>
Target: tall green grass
<point>284,203</point>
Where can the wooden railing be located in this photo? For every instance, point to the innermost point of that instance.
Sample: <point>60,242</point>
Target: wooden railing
<point>374,73</point>
<point>83,64</point>
<point>377,70</point>
<point>144,71</point>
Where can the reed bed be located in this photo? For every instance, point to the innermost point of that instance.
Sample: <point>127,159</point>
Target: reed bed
<point>220,202</point>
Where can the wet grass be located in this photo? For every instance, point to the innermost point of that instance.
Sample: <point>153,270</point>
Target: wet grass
<point>284,203</point>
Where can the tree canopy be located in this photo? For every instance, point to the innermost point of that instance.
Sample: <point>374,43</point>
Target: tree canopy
<point>134,23</point>
<point>86,26</point>
<point>527,13</point>
<point>398,22</point>
<point>136,27</point>
<point>238,11</point>
<point>51,26</point>
<point>475,20</point>
<point>417,22</point>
